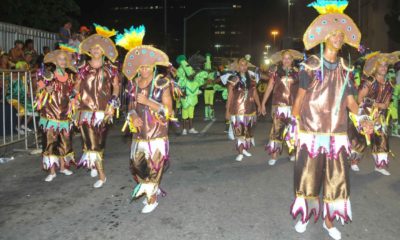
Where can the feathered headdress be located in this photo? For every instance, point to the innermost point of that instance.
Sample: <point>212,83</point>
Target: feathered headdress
<point>65,49</point>
<point>102,39</point>
<point>139,55</point>
<point>331,19</point>
<point>131,38</point>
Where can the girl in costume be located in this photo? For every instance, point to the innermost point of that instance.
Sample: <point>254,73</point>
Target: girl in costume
<point>321,112</point>
<point>150,110</point>
<point>242,105</point>
<point>54,101</point>
<point>98,88</point>
<point>283,85</point>
<point>374,97</point>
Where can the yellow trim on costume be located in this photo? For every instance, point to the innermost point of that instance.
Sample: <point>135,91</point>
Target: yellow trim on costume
<point>148,140</point>
<point>320,133</point>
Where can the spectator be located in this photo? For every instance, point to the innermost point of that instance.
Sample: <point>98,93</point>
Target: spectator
<point>46,50</point>
<point>17,53</point>
<point>65,32</point>
<point>30,48</point>
<point>74,41</point>
<point>4,62</point>
<point>84,33</point>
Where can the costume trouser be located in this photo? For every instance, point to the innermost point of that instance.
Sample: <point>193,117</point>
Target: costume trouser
<point>379,146</point>
<point>311,173</point>
<point>280,127</point>
<point>147,162</point>
<point>242,126</point>
<point>57,145</point>
<point>93,143</point>
<point>209,103</point>
<point>188,113</point>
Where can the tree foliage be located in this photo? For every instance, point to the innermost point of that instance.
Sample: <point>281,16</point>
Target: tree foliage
<point>42,14</point>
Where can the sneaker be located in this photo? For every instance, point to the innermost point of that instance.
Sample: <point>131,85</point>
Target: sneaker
<point>99,183</point>
<point>66,172</point>
<point>206,119</point>
<point>246,153</point>
<point>93,172</point>
<point>272,162</point>
<point>333,232</point>
<point>292,158</point>
<point>355,167</point>
<point>148,208</point>
<point>239,157</point>
<point>50,177</point>
<point>193,131</point>
<point>19,131</point>
<point>301,227</point>
<point>184,132</point>
<point>383,171</point>
<point>27,128</point>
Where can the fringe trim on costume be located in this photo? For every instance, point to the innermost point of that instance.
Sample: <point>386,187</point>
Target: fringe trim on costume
<point>246,120</point>
<point>307,207</point>
<point>381,159</point>
<point>50,161</point>
<point>247,143</point>
<point>89,159</point>
<point>149,148</point>
<point>331,145</point>
<point>283,111</point>
<point>274,147</point>
<point>339,210</point>
<point>93,119</point>
<point>56,125</point>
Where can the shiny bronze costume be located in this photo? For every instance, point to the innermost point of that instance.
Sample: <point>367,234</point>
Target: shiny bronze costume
<point>55,108</point>
<point>377,93</point>
<point>323,146</point>
<point>286,84</point>
<point>243,109</point>
<point>150,145</point>
<point>96,86</point>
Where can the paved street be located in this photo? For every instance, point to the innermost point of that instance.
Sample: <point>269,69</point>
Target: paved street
<point>210,196</point>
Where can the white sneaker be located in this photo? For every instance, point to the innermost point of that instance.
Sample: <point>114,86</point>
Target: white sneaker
<point>99,183</point>
<point>383,171</point>
<point>66,172</point>
<point>292,158</point>
<point>19,131</point>
<point>93,172</point>
<point>50,177</point>
<point>239,157</point>
<point>193,131</point>
<point>333,232</point>
<point>184,132</point>
<point>272,162</point>
<point>27,129</point>
<point>246,153</point>
<point>301,227</point>
<point>355,167</point>
<point>148,208</point>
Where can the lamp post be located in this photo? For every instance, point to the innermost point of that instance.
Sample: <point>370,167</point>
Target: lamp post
<point>267,47</point>
<point>193,14</point>
<point>274,33</point>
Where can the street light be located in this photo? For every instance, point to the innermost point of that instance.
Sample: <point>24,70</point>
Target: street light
<point>274,33</point>
<point>267,47</point>
<point>193,14</point>
<point>217,46</point>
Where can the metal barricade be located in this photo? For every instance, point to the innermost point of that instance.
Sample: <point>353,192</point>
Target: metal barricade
<point>11,32</point>
<point>17,98</point>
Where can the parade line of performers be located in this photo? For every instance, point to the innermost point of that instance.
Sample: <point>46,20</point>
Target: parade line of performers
<point>324,110</point>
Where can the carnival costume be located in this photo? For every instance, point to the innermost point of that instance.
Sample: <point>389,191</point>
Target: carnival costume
<point>96,97</point>
<point>377,93</point>
<point>150,145</point>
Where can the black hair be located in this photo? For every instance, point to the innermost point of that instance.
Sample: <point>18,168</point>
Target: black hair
<point>45,47</point>
<point>28,41</point>
<point>18,42</point>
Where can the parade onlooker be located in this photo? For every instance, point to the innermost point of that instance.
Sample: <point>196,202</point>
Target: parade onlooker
<point>30,48</point>
<point>17,52</point>
<point>65,32</point>
<point>40,59</point>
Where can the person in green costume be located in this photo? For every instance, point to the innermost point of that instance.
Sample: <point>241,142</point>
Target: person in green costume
<point>190,83</point>
<point>394,104</point>
<point>209,90</point>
